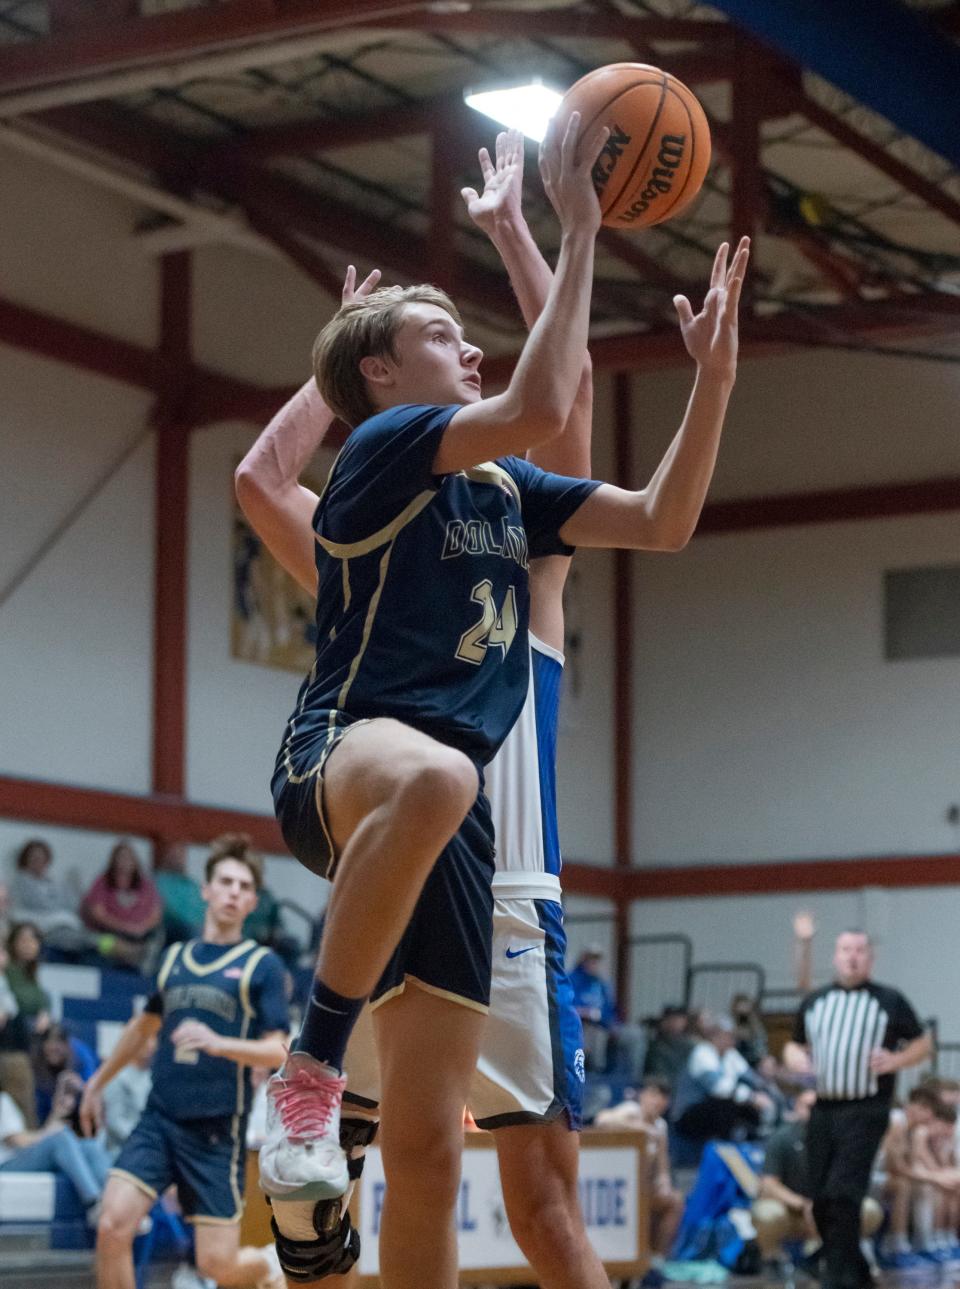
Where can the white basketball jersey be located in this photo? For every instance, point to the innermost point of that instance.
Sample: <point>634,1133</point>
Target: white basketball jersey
<point>521,784</point>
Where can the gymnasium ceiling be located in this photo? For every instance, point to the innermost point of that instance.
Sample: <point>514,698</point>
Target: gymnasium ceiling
<point>335,130</point>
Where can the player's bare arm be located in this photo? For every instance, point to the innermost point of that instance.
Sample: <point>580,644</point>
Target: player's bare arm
<point>663,515</point>
<point>537,402</point>
<point>133,1039</point>
<point>498,211</point>
<point>279,508</point>
<point>267,1052</point>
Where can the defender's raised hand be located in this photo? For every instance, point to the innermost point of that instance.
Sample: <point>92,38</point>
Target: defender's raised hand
<point>566,166</point>
<point>353,292</point>
<point>502,183</point>
<point>711,334</point>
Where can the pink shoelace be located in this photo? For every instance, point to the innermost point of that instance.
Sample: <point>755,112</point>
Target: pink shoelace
<point>306,1102</point>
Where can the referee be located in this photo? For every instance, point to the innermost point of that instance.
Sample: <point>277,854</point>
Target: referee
<point>853,1035</point>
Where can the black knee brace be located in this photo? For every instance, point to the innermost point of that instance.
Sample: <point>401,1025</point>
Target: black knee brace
<point>333,1253</point>
<point>337,1246</point>
<point>356,1134</point>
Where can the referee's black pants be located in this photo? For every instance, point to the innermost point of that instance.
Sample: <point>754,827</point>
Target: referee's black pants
<point>842,1142</point>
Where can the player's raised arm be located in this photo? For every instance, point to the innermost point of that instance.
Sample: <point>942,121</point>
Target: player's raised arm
<point>663,516</point>
<point>498,211</point>
<point>278,507</point>
<point>537,402</point>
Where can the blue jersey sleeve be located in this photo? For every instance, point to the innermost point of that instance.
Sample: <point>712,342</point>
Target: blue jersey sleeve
<point>547,501</point>
<point>268,991</point>
<point>385,464</point>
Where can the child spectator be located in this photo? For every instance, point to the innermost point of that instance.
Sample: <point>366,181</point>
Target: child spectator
<point>59,1059</point>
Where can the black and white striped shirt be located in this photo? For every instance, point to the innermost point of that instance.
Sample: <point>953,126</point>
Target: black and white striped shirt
<point>843,1026</point>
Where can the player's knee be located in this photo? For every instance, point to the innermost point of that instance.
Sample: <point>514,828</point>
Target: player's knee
<point>553,1218</point>
<point>425,1170</point>
<point>115,1229</point>
<point>216,1265</point>
<point>437,782</point>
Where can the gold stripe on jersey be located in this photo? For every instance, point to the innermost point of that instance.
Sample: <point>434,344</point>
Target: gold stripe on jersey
<point>167,966</point>
<point>353,550</point>
<point>249,967</point>
<point>489,472</point>
<point>367,628</point>
<point>397,990</point>
<point>201,969</point>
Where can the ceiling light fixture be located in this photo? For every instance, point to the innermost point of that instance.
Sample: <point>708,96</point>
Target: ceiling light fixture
<point>520,107</point>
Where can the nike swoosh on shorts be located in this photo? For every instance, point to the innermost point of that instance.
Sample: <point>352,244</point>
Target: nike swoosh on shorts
<point>515,953</point>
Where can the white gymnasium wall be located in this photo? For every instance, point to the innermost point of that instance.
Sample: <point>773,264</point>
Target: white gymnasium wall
<point>768,723</point>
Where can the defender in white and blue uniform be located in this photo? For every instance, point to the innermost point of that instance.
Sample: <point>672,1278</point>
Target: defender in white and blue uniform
<point>531,1063</point>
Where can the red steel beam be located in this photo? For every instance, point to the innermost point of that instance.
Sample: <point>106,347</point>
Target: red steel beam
<point>792,875</point>
<point>171,526</point>
<point>442,262</point>
<point>113,45</point>
<point>174,819</point>
<point>793,99</point>
<point>884,501</point>
<point>211,396</point>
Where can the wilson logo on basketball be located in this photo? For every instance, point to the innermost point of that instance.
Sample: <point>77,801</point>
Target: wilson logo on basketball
<point>613,150</point>
<point>672,147</point>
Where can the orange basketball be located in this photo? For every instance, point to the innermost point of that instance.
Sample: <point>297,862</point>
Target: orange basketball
<point>656,158</point>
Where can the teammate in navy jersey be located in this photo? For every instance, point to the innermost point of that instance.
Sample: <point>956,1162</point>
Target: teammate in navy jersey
<point>220,1007</point>
<point>383,799</point>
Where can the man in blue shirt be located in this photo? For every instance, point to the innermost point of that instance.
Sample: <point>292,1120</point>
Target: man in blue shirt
<point>220,1007</point>
<point>419,548</point>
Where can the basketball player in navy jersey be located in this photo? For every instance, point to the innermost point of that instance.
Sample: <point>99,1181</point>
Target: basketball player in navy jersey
<point>220,1007</point>
<point>415,521</point>
<point>528,1083</point>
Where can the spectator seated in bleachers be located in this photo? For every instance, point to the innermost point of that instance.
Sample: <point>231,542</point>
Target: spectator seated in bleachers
<point>183,906</point>
<point>59,1059</point>
<point>718,1094</point>
<point>24,948</point>
<point>610,1047</point>
<point>54,1148</point>
<point>38,898</point>
<point>124,908</point>
<point>934,1185</point>
<point>670,1048</point>
<point>16,1071</point>
<point>782,1212</point>
<point>646,1112</point>
<point>751,1033</point>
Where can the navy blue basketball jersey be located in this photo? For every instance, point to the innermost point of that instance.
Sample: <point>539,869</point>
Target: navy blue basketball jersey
<point>423,599</point>
<point>521,780</point>
<point>239,991</point>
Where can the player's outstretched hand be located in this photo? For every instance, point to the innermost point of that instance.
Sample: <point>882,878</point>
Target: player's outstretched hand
<point>194,1036</point>
<point>91,1111</point>
<point>566,167</point>
<point>502,184</point>
<point>711,334</point>
<point>351,291</point>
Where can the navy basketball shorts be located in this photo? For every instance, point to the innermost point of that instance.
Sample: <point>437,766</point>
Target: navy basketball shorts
<point>203,1158</point>
<point>530,1069</point>
<point>446,946</point>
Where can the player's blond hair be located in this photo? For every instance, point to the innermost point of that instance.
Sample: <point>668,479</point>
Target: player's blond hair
<point>238,846</point>
<point>366,328</point>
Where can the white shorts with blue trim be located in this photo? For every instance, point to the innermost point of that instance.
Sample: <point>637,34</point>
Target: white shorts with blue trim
<point>530,1068</point>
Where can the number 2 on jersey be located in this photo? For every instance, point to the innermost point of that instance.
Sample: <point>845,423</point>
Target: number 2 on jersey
<point>494,630</point>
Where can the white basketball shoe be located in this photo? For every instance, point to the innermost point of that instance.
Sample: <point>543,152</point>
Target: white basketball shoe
<point>301,1158</point>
